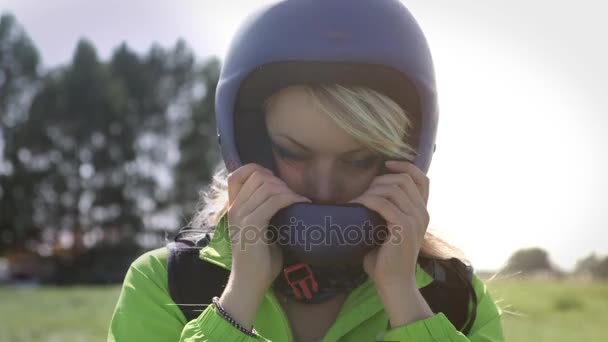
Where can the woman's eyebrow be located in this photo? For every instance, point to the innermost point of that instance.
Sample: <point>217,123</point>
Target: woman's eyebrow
<point>305,148</point>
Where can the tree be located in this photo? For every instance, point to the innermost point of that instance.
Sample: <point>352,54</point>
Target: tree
<point>198,143</point>
<point>529,260</point>
<point>162,88</point>
<point>594,266</point>
<point>19,64</point>
<point>95,145</point>
<point>85,147</point>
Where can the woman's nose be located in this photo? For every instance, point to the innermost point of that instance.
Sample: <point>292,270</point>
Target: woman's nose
<point>323,187</point>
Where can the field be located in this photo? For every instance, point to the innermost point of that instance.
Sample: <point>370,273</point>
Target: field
<point>542,310</point>
<point>534,310</point>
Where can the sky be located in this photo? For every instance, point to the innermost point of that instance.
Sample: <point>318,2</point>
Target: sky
<point>522,154</point>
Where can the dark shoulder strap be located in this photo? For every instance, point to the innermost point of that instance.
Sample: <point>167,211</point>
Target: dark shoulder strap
<point>192,281</point>
<point>451,291</point>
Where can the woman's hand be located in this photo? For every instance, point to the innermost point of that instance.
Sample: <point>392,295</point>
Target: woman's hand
<point>400,198</point>
<point>254,197</point>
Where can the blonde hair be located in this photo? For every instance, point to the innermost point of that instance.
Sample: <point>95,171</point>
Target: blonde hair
<point>371,118</point>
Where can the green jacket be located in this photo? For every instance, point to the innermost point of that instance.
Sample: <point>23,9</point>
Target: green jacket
<point>146,312</point>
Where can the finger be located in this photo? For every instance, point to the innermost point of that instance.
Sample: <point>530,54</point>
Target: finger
<point>395,194</point>
<point>252,184</point>
<point>420,179</point>
<point>238,178</point>
<point>262,194</point>
<point>411,208</point>
<point>406,183</point>
<point>275,203</point>
<point>382,206</point>
<point>369,261</point>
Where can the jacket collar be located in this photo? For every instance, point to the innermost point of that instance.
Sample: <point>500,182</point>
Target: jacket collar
<point>218,250</point>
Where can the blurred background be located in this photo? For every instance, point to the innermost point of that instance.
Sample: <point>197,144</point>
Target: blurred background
<point>107,134</point>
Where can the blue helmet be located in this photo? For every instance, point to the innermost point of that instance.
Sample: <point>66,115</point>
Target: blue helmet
<point>372,43</point>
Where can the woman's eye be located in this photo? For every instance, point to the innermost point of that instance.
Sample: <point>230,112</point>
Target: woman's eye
<point>285,154</point>
<point>364,163</point>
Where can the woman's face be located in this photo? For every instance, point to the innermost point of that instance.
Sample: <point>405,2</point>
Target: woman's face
<point>313,155</point>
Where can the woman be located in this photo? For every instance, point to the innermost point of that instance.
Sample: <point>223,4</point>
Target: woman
<point>327,103</point>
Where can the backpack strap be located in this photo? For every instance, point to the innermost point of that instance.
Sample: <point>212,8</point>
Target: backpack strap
<point>451,291</point>
<point>193,283</point>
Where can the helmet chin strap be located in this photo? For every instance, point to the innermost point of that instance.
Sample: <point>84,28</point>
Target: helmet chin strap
<point>311,284</point>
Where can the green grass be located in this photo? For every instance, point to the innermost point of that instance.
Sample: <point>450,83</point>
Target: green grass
<point>66,314</point>
<point>534,310</point>
<point>555,311</point>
